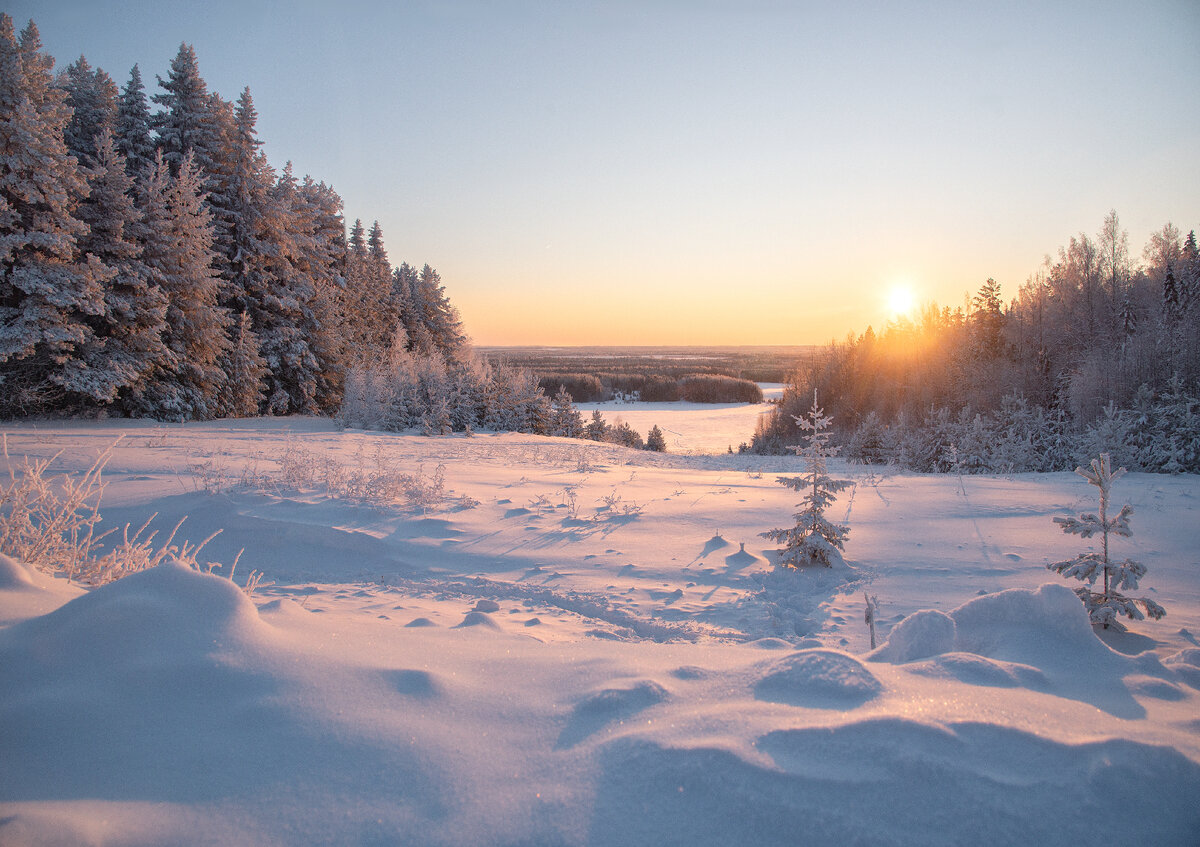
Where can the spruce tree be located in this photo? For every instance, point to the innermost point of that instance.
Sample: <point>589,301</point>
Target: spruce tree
<point>127,338</point>
<point>597,428</point>
<point>433,311</point>
<point>92,97</point>
<point>178,250</point>
<point>372,314</point>
<point>184,124</point>
<point>814,540</point>
<point>317,211</point>
<point>133,139</point>
<point>49,292</point>
<point>565,420</point>
<point>1104,606</point>
<point>244,372</point>
<point>257,245</point>
<point>655,440</point>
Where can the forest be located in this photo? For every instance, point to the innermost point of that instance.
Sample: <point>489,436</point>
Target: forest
<point>657,374</point>
<point>1097,353</point>
<point>156,265</point>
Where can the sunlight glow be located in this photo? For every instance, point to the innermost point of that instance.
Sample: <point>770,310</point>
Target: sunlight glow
<point>901,301</point>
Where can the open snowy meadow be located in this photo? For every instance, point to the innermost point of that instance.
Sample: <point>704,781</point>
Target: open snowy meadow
<point>518,640</point>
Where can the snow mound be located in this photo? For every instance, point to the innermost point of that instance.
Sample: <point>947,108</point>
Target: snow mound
<point>168,614</point>
<point>165,689</point>
<point>1023,625</point>
<point>611,705</point>
<point>476,619</point>
<point>894,781</point>
<point>1017,625</point>
<point>13,575</point>
<point>921,634</point>
<point>285,607</point>
<point>1186,664</point>
<point>977,670</point>
<point>818,678</point>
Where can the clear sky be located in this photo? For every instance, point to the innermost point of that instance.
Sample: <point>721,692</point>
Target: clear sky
<point>708,172</point>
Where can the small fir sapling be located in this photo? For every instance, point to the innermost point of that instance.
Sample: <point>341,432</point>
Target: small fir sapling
<point>813,540</point>
<point>1104,606</point>
<point>655,440</point>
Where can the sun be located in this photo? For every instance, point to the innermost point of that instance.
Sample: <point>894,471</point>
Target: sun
<point>901,301</point>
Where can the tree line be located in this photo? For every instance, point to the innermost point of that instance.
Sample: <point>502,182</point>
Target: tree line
<point>153,263</point>
<point>1096,353</point>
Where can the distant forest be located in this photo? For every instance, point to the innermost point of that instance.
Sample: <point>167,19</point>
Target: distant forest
<point>1097,352</point>
<point>657,374</point>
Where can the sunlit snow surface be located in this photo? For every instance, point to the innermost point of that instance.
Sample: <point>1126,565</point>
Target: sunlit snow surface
<point>515,673</point>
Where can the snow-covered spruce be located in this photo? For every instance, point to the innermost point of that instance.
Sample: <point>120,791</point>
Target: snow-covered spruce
<point>1104,606</point>
<point>814,540</point>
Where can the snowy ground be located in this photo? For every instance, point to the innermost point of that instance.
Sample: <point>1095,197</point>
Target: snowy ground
<point>535,661</point>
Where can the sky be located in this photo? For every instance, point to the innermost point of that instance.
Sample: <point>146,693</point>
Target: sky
<point>702,173</point>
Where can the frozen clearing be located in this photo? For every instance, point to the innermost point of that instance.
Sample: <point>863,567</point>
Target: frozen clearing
<point>583,644</point>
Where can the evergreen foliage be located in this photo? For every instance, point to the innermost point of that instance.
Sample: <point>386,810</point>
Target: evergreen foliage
<point>177,248</point>
<point>565,420</point>
<point>92,98</point>
<point>133,138</point>
<point>127,338</point>
<point>1105,605</point>
<point>655,440</point>
<point>49,291</point>
<point>813,540</point>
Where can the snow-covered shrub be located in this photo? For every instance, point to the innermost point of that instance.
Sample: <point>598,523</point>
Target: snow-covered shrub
<point>1104,606</point>
<point>625,435</point>
<point>870,443</point>
<point>565,420</point>
<point>814,540</point>
<point>376,479</point>
<point>51,523</point>
<point>655,440</point>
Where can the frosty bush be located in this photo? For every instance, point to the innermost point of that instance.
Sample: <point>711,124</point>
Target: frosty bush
<point>813,540</point>
<point>377,480</point>
<point>1104,606</point>
<point>51,523</point>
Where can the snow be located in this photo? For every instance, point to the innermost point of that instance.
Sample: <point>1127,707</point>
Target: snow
<point>551,667</point>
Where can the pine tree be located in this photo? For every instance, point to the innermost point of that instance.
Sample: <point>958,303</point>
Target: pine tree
<point>245,373</point>
<point>92,97</point>
<point>597,428</point>
<point>433,311</point>
<point>133,140</point>
<point>184,125</point>
<point>127,338</point>
<point>178,250</point>
<point>321,256</point>
<point>565,420</point>
<point>625,435</point>
<point>49,293</point>
<point>1104,606</point>
<point>655,440</point>
<point>813,540</point>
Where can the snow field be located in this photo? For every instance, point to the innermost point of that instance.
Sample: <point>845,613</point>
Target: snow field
<point>543,668</point>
